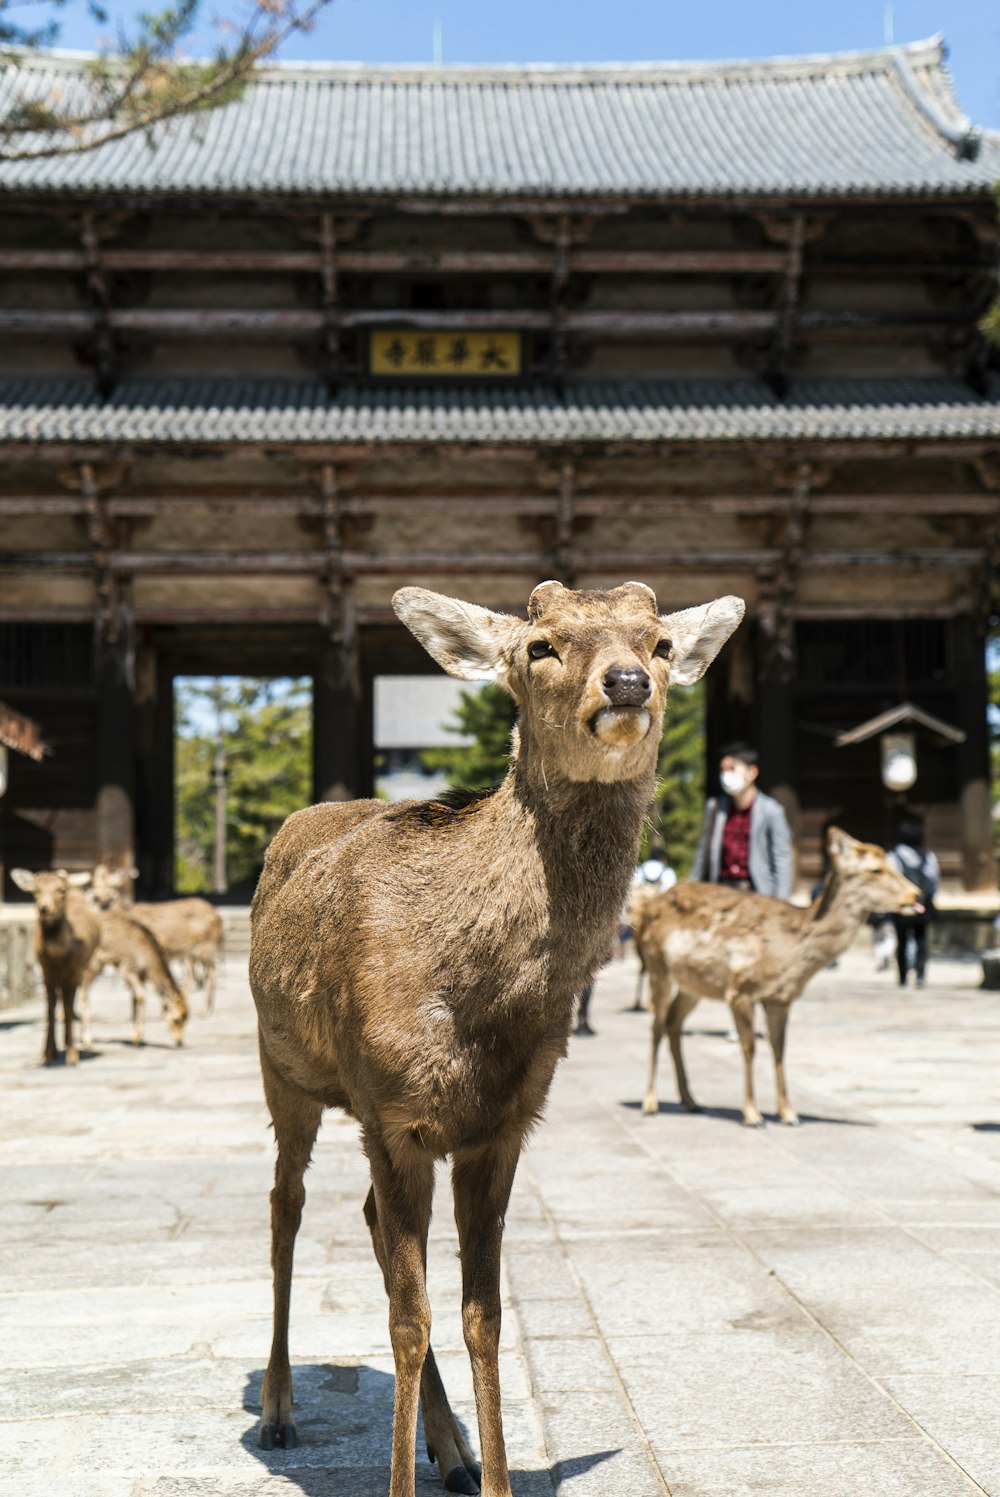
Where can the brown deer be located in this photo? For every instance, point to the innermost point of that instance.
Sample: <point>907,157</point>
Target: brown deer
<point>417,965</point>
<point>66,938</point>
<point>188,930</point>
<point>707,941</point>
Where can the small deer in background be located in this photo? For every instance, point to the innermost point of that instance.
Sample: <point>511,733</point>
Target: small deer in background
<point>188,930</point>
<point>417,965</point>
<point>66,937</point>
<point>707,941</point>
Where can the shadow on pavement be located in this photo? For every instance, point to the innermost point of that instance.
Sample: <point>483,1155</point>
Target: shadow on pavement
<point>343,1414</point>
<point>985,1127</point>
<point>734,1115</point>
<point>14,1023</point>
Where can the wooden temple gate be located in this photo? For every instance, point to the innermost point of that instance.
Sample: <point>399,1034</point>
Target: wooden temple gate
<point>246,392</point>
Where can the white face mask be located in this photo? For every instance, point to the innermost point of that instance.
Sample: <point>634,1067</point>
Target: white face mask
<point>734,781</point>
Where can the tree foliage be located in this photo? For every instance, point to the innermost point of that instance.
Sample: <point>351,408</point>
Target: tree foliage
<point>266,731</point>
<point>142,80</point>
<point>487,716</point>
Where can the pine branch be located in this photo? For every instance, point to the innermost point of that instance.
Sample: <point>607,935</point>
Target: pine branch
<point>143,82</point>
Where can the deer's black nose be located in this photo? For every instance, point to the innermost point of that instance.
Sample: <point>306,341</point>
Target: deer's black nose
<point>626,687</point>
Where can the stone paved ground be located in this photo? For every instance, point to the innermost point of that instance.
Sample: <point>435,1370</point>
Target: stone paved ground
<point>691,1307</point>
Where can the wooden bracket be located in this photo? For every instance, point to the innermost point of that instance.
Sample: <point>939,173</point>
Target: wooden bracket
<point>105,353</point>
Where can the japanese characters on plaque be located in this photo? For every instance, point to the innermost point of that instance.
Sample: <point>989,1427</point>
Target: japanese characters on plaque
<point>456,354</point>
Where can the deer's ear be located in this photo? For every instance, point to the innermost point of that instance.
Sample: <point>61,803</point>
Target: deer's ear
<point>697,636</point>
<point>839,844</point>
<point>79,880</point>
<point>24,879</point>
<point>467,641</point>
<point>121,876</point>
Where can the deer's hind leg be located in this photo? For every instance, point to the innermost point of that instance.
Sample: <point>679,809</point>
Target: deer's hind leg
<point>777,1023</point>
<point>446,1443</point>
<point>742,1011</point>
<point>678,1011</point>
<point>296,1119</point>
<point>663,994</point>
<point>403,1181</point>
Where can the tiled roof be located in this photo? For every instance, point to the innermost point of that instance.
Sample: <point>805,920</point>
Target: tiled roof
<point>164,412</point>
<point>880,122</point>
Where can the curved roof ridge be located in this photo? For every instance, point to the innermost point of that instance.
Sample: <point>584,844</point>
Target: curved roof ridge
<point>928,53</point>
<point>943,112</point>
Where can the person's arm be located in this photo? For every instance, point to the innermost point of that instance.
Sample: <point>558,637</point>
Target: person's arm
<point>702,858</point>
<point>781,852</point>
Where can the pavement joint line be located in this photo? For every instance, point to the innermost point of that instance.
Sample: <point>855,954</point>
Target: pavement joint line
<point>581,1290</point>
<point>777,1137</point>
<point>788,1290</point>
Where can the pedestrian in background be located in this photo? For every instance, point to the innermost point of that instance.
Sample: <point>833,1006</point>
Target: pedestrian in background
<point>745,841</point>
<point>913,861</point>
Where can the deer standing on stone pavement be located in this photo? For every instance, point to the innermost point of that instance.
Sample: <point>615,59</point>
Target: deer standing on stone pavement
<point>706,941</point>
<point>66,936</point>
<point>417,965</point>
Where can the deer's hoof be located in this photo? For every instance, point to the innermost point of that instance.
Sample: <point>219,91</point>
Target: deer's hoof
<point>690,1105</point>
<point>461,1479</point>
<point>791,1120</point>
<point>278,1436</point>
<point>650,1106</point>
<point>753,1122</point>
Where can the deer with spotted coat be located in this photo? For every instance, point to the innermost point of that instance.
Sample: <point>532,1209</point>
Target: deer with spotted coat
<point>417,965</point>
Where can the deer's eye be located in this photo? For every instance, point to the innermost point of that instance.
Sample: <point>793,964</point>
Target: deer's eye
<point>539,648</point>
<point>664,648</point>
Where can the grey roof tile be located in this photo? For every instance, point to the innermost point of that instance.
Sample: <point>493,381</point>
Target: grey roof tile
<point>881,122</point>
<point>163,412</point>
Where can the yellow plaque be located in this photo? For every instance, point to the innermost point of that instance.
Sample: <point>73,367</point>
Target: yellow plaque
<point>454,354</point>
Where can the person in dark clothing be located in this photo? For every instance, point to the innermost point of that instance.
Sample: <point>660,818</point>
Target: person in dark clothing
<point>910,858</point>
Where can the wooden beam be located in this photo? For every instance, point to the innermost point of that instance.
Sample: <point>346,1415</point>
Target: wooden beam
<point>753,506</point>
<point>291,563</point>
<point>289,322</point>
<point>492,262</point>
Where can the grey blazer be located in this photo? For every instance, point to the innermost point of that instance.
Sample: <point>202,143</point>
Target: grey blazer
<point>770,855</point>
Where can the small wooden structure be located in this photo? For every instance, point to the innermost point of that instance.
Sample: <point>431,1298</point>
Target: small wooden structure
<point>714,326</point>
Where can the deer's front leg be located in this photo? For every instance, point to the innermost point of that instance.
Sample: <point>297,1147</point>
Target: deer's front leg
<point>404,1188</point>
<point>777,1022</point>
<point>68,995</point>
<point>742,1010</point>
<point>296,1119</point>
<point>51,1000</point>
<point>481,1181</point>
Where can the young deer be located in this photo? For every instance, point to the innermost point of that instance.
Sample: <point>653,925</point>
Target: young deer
<point>66,937</point>
<point>188,930</point>
<point>706,941</point>
<point>417,965</point>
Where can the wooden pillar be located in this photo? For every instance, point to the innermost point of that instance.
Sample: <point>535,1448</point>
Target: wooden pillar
<point>979,867</point>
<point>116,746</point>
<point>774,718</point>
<point>155,778</point>
<point>337,724</point>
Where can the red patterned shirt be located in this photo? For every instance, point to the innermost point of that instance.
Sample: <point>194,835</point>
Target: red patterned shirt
<point>735,862</point>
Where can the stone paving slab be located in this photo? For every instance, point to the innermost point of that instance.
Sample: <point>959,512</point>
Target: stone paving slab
<point>690,1307</point>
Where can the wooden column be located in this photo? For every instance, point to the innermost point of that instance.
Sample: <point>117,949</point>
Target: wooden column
<point>116,741</point>
<point>337,687</point>
<point>337,724</point>
<point>155,777</point>
<point>979,867</point>
<point>774,719</point>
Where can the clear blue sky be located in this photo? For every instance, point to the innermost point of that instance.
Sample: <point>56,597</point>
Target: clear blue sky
<point>635,31</point>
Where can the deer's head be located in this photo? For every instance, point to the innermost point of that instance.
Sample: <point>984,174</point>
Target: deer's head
<point>876,885</point>
<point>107,885</point>
<point>589,671</point>
<point>50,890</point>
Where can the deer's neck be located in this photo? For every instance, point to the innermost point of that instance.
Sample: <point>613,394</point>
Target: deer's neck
<point>832,922</point>
<point>576,843</point>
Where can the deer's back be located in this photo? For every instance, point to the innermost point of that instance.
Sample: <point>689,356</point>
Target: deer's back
<point>711,940</point>
<point>180,924</point>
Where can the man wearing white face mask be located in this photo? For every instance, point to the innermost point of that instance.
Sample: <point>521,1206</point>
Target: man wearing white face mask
<point>745,841</point>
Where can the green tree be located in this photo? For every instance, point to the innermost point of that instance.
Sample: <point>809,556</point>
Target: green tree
<point>140,82</point>
<point>487,716</point>
<point>266,731</point>
<point>680,782</point>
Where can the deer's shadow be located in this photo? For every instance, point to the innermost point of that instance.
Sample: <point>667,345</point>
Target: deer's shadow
<point>343,1413</point>
<point>734,1115</point>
